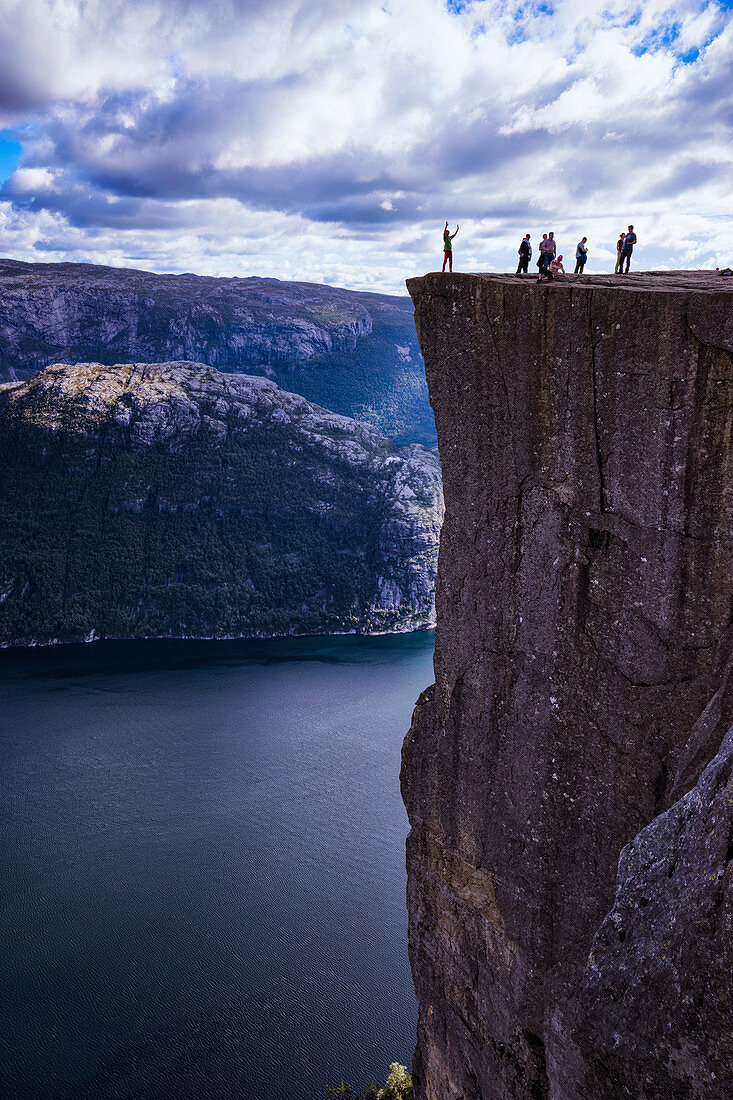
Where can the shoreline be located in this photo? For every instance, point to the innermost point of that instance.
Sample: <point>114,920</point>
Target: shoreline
<point>95,639</point>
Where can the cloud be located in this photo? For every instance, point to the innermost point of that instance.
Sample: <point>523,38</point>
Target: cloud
<point>341,133</point>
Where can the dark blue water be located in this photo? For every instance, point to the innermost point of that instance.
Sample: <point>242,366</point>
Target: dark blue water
<point>203,852</point>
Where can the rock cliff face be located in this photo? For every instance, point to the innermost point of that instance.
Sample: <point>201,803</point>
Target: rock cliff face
<point>352,352</point>
<point>171,500</point>
<point>573,748</point>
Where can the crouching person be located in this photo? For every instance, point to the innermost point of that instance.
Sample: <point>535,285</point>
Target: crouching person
<point>555,268</point>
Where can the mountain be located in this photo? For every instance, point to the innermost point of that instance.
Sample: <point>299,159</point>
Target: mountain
<point>568,777</point>
<point>169,499</point>
<point>355,353</point>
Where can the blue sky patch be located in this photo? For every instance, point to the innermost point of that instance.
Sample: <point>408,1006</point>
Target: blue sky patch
<point>661,38</point>
<point>531,10</point>
<point>10,151</point>
<point>523,17</point>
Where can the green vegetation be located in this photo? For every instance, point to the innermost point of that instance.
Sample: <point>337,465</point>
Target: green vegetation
<point>372,381</point>
<point>398,1087</point>
<point>231,531</point>
<point>207,541</point>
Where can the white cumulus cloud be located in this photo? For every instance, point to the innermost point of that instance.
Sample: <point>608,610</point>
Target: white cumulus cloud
<point>330,139</point>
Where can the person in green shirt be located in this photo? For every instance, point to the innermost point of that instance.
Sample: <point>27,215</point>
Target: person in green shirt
<point>448,247</point>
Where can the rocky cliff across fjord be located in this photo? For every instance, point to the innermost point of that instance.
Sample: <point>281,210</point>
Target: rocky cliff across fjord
<point>355,353</point>
<point>568,776</point>
<point>170,500</point>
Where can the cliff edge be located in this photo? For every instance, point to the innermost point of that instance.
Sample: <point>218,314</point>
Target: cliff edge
<point>568,775</point>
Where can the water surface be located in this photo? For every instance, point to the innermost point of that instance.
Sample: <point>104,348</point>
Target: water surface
<point>203,851</point>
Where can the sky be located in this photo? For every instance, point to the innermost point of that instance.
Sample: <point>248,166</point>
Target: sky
<point>329,140</point>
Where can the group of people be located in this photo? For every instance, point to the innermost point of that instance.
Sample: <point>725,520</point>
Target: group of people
<point>549,264</point>
<point>624,248</point>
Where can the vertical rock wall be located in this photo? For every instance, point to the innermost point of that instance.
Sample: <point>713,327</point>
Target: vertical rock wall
<point>583,684</point>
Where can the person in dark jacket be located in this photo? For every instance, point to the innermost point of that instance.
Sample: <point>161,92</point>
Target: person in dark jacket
<point>548,248</point>
<point>619,250</point>
<point>525,255</point>
<point>541,254</point>
<point>581,255</point>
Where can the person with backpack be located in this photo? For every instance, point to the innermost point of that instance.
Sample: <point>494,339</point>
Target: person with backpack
<point>525,255</point>
<point>581,255</point>
<point>448,247</point>
<point>626,250</point>
<point>619,250</point>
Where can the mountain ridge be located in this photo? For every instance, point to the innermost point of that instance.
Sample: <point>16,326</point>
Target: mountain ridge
<point>355,352</point>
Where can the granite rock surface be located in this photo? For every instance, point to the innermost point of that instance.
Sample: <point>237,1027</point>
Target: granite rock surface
<point>169,499</point>
<point>655,1015</point>
<point>582,692</point>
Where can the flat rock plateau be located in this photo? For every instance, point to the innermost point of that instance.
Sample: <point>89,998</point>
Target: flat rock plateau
<point>568,777</point>
<point>172,500</point>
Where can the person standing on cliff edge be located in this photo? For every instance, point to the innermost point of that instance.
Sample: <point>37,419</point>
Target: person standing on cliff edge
<point>525,255</point>
<point>581,255</point>
<point>448,247</point>
<point>628,248</point>
<point>548,248</point>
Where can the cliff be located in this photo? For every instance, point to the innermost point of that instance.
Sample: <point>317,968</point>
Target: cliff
<point>171,500</point>
<point>355,353</point>
<point>568,775</point>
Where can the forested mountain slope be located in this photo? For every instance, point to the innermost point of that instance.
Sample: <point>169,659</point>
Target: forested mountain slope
<point>172,500</point>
